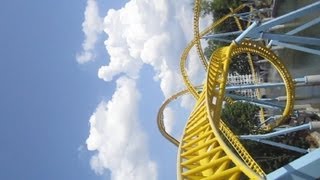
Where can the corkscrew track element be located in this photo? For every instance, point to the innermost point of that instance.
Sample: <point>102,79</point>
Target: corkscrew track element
<point>208,149</point>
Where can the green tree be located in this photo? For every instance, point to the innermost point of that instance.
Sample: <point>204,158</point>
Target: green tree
<point>218,9</point>
<point>241,119</point>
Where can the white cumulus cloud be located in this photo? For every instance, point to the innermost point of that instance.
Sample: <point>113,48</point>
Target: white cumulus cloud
<point>92,27</point>
<point>118,139</point>
<point>143,32</point>
<point>149,32</point>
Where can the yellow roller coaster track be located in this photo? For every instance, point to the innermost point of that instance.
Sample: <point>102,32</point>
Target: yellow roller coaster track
<point>160,117</point>
<point>203,152</point>
<point>195,41</point>
<point>266,53</point>
<point>250,61</point>
<point>201,129</point>
<point>208,148</point>
<point>196,12</point>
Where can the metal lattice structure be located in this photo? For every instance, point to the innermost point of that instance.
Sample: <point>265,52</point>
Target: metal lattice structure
<point>246,79</point>
<point>208,149</point>
<point>203,147</point>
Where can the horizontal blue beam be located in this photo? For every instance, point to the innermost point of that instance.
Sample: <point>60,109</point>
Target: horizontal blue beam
<point>296,47</point>
<point>304,26</point>
<point>315,7</point>
<point>281,145</point>
<point>306,167</point>
<point>291,38</point>
<point>256,101</point>
<point>301,28</point>
<point>253,86</point>
<point>277,133</point>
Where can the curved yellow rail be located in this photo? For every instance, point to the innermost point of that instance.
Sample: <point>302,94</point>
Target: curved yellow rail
<point>186,51</point>
<point>160,117</point>
<point>196,12</point>
<point>250,61</point>
<point>266,53</point>
<point>203,151</point>
<point>208,148</point>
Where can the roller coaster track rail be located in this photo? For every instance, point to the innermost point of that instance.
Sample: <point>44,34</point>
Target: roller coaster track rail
<point>208,149</point>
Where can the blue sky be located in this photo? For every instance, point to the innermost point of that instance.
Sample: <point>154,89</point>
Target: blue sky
<point>46,97</point>
<point>49,99</point>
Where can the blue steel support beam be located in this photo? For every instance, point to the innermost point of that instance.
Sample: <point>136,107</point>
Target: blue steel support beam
<point>315,7</point>
<point>301,28</point>
<point>291,38</point>
<point>306,167</point>
<point>281,145</point>
<point>261,137</point>
<point>246,32</point>
<point>305,81</point>
<point>304,26</point>
<point>296,47</point>
<point>256,101</point>
<point>256,31</point>
<point>314,79</point>
<point>253,86</point>
<point>277,133</point>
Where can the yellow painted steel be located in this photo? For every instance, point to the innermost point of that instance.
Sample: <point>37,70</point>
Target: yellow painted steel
<point>203,152</point>
<point>215,88</point>
<point>266,53</point>
<point>160,116</point>
<point>208,149</point>
<point>253,73</point>
<point>196,10</point>
<point>186,51</point>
